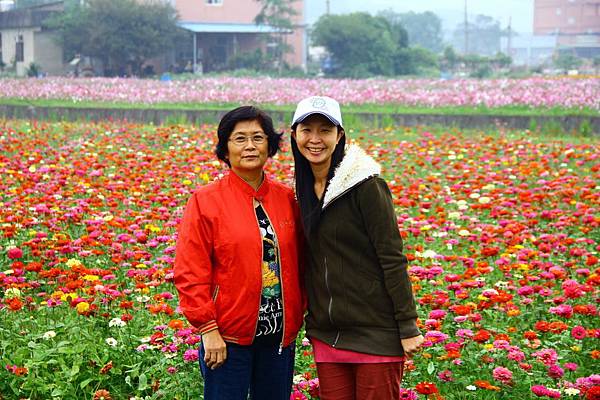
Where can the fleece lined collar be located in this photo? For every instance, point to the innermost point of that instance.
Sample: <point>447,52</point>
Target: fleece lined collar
<point>355,168</point>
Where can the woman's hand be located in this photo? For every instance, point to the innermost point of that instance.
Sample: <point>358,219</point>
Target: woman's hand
<point>412,345</point>
<point>215,350</point>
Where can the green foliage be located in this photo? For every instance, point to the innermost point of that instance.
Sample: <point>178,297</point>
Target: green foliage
<point>567,61</point>
<point>121,33</point>
<point>410,61</point>
<point>33,70</point>
<point>278,14</point>
<point>361,45</point>
<point>423,29</point>
<point>484,35</point>
<point>251,60</point>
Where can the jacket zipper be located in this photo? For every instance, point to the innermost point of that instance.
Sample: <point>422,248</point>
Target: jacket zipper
<point>330,306</point>
<point>259,266</point>
<point>215,294</point>
<point>280,280</point>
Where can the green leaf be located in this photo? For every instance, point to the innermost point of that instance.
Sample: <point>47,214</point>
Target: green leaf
<point>75,370</point>
<point>143,384</point>
<point>430,368</point>
<point>85,383</point>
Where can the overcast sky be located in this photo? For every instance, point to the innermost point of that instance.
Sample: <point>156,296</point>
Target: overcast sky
<point>450,11</point>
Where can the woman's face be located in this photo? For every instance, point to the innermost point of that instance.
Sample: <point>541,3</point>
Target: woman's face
<point>247,148</point>
<point>316,138</point>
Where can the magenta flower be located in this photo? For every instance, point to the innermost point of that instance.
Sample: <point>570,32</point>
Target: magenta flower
<point>578,332</point>
<point>190,355</point>
<point>543,391</point>
<point>555,371</point>
<point>408,394</point>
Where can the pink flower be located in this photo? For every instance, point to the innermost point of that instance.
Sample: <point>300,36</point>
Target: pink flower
<point>571,366</point>
<point>562,310</point>
<point>578,332</point>
<point>408,394</point>
<point>555,371</point>
<point>503,375</point>
<point>190,355</point>
<point>446,376</point>
<point>546,356</point>
<point>14,253</point>
<point>298,395</point>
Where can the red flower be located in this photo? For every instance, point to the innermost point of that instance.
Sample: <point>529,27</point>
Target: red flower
<point>593,393</point>
<point>482,336</point>
<point>426,388</point>
<point>14,253</point>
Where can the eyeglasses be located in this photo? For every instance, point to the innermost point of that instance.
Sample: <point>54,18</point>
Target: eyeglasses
<point>241,140</point>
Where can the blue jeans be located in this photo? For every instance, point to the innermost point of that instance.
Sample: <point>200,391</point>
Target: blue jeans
<point>258,369</point>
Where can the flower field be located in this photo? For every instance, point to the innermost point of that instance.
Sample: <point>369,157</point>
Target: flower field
<point>502,233</point>
<point>561,92</point>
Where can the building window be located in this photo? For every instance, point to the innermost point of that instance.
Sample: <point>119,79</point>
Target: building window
<point>214,2</point>
<point>20,50</point>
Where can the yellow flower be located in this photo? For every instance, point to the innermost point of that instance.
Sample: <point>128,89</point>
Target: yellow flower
<point>69,297</point>
<point>187,182</point>
<point>91,278</point>
<point>73,262</point>
<point>82,307</point>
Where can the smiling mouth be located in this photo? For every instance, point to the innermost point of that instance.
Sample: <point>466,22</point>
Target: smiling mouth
<point>315,150</point>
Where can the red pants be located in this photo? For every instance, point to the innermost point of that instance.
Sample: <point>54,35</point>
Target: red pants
<point>346,381</point>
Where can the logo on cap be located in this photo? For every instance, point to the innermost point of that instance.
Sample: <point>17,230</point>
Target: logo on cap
<point>319,102</point>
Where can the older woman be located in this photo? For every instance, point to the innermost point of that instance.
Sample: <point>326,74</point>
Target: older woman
<point>237,269</point>
<point>361,312</point>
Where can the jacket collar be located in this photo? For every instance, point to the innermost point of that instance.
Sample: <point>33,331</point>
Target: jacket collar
<point>355,168</point>
<point>248,190</point>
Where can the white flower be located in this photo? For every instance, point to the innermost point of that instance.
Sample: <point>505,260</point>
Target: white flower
<point>464,232</point>
<point>118,322</point>
<point>12,293</point>
<point>471,388</point>
<point>474,195</point>
<point>572,391</point>
<point>429,254</point>
<point>49,335</point>
<point>454,215</point>
<point>484,200</point>
<point>112,342</point>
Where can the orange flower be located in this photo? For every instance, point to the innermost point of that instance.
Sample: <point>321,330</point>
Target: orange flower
<point>102,395</point>
<point>176,324</point>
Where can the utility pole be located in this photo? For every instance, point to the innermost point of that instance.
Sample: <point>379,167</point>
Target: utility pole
<point>509,44</point>
<point>327,7</point>
<point>466,30</point>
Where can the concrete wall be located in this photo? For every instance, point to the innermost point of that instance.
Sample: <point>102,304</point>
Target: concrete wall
<point>48,54</point>
<point>565,124</point>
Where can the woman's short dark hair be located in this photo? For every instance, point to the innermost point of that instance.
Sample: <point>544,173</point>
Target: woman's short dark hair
<point>245,113</point>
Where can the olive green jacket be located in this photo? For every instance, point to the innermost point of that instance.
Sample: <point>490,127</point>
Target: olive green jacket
<point>359,293</point>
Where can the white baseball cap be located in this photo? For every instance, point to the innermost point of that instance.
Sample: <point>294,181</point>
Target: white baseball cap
<point>323,105</point>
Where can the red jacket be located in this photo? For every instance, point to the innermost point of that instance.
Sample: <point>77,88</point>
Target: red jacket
<point>219,256</point>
